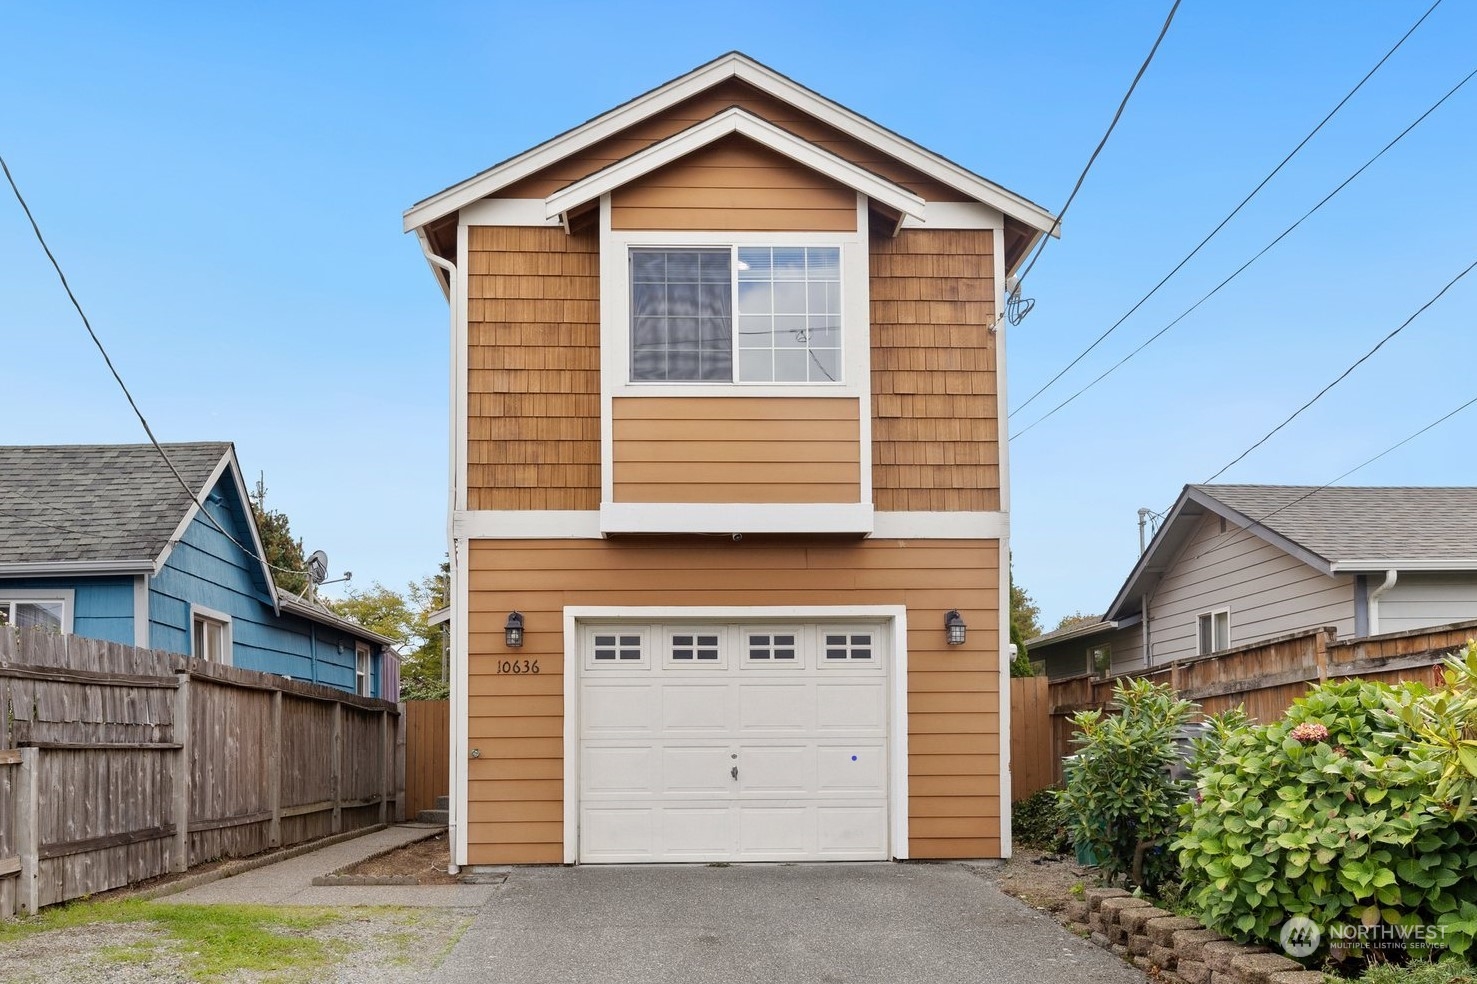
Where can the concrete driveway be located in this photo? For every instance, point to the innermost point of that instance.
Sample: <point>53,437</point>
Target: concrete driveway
<point>852,923</point>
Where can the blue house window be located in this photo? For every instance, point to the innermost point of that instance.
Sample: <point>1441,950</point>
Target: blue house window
<point>37,613</point>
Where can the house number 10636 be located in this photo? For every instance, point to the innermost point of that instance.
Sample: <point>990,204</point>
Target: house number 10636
<point>518,666</point>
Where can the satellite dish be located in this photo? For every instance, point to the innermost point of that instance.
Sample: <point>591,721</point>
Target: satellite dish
<point>317,566</point>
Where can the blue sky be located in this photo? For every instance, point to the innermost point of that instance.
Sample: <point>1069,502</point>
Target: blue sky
<point>223,185</point>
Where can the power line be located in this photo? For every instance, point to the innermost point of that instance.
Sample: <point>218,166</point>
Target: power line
<point>1056,224</point>
<point>1241,269</point>
<point>122,385</point>
<point>1220,541</point>
<point>1231,215</point>
<point>1343,375</point>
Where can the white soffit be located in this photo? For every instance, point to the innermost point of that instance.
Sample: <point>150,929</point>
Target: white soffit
<point>739,66</point>
<point>734,121</point>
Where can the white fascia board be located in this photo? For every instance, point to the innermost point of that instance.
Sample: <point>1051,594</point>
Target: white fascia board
<point>958,215</point>
<point>506,212</point>
<point>940,525</point>
<point>736,517</point>
<point>731,65</point>
<point>734,121</point>
<point>526,524</point>
<point>1352,566</point>
<point>47,568</point>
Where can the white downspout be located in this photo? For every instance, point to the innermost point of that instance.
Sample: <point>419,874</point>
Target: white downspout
<point>458,700</point>
<point>1391,576</point>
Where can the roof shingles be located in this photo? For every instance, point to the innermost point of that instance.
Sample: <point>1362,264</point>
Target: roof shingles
<point>96,502</point>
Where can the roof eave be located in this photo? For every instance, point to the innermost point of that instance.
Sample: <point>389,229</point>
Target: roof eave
<point>323,616</point>
<point>731,65</point>
<point>1429,564</point>
<point>76,568</point>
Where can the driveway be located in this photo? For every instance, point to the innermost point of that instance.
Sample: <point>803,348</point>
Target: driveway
<point>852,923</point>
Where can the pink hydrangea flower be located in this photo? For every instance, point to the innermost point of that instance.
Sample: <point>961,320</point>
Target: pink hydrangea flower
<point>1309,733</point>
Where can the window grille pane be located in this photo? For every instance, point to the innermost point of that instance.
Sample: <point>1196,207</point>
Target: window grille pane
<point>789,306</point>
<point>681,315</point>
<point>39,615</point>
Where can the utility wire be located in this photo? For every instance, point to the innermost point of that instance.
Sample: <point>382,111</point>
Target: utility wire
<point>1057,222</point>
<point>1241,269</point>
<point>1231,215</point>
<point>1220,541</point>
<point>198,501</point>
<point>1341,376</point>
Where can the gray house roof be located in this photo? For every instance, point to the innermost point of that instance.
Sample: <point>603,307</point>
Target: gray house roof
<point>70,506</point>
<point>1337,529</point>
<point>1363,526</point>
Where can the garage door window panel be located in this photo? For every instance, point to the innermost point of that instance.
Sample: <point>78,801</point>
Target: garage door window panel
<point>617,647</point>
<point>774,647</point>
<point>695,647</point>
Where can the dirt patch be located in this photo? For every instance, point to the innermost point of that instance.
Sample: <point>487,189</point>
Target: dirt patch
<point>425,860</point>
<point>1043,880</point>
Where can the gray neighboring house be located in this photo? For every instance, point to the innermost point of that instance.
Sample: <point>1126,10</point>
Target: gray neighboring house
<point>1239,564</point>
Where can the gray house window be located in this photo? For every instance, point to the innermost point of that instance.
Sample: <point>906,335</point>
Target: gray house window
<point>1213,631</point>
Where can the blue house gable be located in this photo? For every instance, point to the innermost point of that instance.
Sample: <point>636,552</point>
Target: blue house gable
<point>187,577</point>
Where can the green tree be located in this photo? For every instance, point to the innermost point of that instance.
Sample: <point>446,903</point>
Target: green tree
<point>283,551</point>
<point>1076,619</point>
<point>1025,624</point>
<point>405,618</point>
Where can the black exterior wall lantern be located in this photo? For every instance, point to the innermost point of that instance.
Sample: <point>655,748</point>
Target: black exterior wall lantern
<point>954,626</point>
<point>513,631</point>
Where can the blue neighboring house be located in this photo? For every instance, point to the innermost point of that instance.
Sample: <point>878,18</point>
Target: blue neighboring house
<point>102,541</point>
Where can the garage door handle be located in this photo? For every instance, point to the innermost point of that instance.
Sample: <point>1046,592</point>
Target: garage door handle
<point>734,772</point>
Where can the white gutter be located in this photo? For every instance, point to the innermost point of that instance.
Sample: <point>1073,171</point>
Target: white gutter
<point>49,567</point>
<point>1391,576</point>
<point>457,779</point>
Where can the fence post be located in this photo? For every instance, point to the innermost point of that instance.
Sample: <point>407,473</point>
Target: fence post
<point>1320,654</point>
<point>387,766</point>
<point>336,777</point>
<point>180,856</point>
<point>28,831</point>
<point>274,778</point>
<point>398,764</point>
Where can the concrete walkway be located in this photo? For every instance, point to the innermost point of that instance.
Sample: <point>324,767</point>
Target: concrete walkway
<point>290,882</point>
<point>853,923</point>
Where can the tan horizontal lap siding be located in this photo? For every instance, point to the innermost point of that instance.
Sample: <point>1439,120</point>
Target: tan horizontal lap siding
<point>736,449</point>
<point>515,787</point>
<point>935,414</point>
<point>707,104</point>
<point>533,369</point>
<point>734,185</point>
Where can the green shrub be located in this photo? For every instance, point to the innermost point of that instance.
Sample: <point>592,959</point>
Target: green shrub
<point>1037,821</point>
<point>1450,971</point>
<point>1120,801</point>
<point>1328,814</point>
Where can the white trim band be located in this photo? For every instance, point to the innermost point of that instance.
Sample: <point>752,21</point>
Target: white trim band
<point>735,517</point>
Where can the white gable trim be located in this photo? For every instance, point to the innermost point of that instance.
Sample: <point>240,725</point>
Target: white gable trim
<point>732,65</point>
<point>745,124</point>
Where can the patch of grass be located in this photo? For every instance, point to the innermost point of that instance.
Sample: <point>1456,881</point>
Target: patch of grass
<point>139,952</point>
<point>212,941</point>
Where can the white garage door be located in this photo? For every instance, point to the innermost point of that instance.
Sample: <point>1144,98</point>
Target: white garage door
<point>733,742</point>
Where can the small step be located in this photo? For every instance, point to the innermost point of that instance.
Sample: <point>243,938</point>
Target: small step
<point>443,802</point>
<point>442,817</point>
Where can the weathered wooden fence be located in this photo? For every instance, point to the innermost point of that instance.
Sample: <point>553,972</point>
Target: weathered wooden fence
<point>119,764</point>
<point>427,753</point>
<point>1031,765</point>
<point>1264,678</point>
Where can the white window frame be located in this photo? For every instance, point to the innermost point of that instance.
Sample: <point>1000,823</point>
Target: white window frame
<point>363,669</point>
<point>587,645</point>
<point>804,646</point>
<point>66,597</point>
<point>200,613</point>
<point>615,310</point>
<point>735,346</point>
<point>1212,617</point>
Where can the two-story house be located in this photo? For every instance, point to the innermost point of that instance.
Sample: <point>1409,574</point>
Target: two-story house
<point>729,486</point>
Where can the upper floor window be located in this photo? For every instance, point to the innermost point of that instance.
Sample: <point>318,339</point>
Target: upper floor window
<point>210,636</point>
<point>1214,631</point>
<point>788,304</point>
<point>37,613</point>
